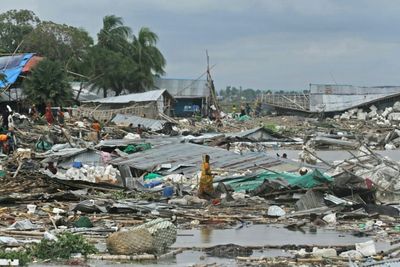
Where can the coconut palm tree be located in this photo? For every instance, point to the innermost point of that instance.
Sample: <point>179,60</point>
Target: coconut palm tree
<point>150,61</point>
<point>114,35</point>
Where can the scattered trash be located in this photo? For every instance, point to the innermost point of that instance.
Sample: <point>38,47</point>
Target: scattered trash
<point>275,211</point>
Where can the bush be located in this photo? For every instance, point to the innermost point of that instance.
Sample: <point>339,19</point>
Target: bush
<point>23,256</point>
<point>66,244</point>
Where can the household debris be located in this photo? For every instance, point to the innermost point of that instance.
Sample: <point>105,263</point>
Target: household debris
<point>136,192</point>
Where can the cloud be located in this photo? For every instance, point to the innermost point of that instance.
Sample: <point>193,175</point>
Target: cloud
<point>283,44</point>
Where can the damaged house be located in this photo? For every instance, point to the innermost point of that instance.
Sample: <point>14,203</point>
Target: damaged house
<point>15,68</point>
<point>148,104</point>
<point>190,96</point>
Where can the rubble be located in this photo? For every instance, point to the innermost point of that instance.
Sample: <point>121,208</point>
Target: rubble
<point>136,192</point>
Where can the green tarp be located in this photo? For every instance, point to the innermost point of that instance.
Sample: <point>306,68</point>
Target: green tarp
<point>309,180</point>
<point>135,148</point>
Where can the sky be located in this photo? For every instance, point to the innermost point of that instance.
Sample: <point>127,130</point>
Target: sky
<point>260,44</point>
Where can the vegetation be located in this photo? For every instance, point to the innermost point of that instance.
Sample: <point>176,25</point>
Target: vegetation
<point>23,256</point>
<point>235,95</point>
<point>66,245</point>
<point>118,62</point>
<point>48,83</point>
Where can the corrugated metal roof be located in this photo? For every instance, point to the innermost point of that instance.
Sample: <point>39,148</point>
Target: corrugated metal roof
<point>139,97</point>
<point>154,125</point>
<point>259,134</point>
<point>185,154</point>
<point>183,88</point>
<point>124,142</point>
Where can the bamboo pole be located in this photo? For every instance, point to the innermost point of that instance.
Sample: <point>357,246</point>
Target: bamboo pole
<point>122,257</point>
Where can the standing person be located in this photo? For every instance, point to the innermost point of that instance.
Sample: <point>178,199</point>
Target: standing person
<point>248,109</point>
<point>206,189</point>
<point>4,115</point>
<point>234,111</point>
<point>60,116</point>
<point>33,113</point>
<point>242,110</point>
<point>10,120</point>
<point>97,128</point>
<point>49,114</point>
<point>139,130</point>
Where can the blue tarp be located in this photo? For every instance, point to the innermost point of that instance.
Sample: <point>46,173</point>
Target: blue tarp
<point>12,67</point>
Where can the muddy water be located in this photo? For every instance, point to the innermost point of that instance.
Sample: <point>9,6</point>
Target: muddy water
<point>263,235</point>
<point>253,235</point>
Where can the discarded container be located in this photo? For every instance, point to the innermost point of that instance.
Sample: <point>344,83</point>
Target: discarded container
<point>276,211</point>
<point>77,164</point>
<point>168,191</point>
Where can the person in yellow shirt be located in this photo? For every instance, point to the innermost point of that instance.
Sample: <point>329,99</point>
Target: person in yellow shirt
<point>206,189</point>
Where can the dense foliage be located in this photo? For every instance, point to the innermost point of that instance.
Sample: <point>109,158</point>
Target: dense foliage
<point>48,83</point>
<point>120,61</point>
<point>66,245</point>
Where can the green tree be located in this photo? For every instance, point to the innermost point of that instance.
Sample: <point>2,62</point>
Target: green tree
<point>15,25</point>
<point>58,42</point>
<point>113,70</point>
<point>114,35</point>
<point>150,61</point>
<point>48,83</point>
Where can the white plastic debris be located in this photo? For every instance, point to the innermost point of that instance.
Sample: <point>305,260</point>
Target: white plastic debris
<point>49,236</point>
<point>6,240</point>
<point>366,248</point>
<point>131,136</point>
<point>31,208</point>
<point>352,254</point>
<point>58,211</point>
<point>390,146</point>
<point>330,218</point>
<point>23,225</point>
<point>178,201</point>
<point>275,211</point>
<point>323,252</point>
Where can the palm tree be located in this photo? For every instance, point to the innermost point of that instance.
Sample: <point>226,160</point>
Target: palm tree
<point>114,35</point>
<point>150,61</point>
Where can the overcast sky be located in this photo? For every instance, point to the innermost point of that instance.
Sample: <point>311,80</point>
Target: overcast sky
<point>262,44</point>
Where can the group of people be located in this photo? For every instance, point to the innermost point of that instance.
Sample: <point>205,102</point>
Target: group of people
<point>245,109</point>
<point>54,117</point>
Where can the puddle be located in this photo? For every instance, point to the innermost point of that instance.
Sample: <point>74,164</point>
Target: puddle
<point>253,235</point>
<point>264,235</point>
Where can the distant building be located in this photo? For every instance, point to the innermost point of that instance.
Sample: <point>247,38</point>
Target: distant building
<point>331,98</point>
<point>190,96</point>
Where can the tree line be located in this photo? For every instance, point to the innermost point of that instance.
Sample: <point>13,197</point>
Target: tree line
<point>237,94</point>
<point>119,61</point>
